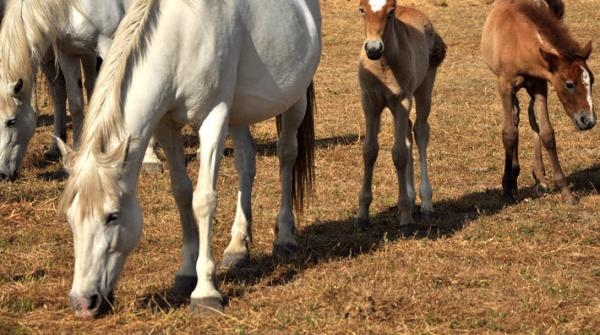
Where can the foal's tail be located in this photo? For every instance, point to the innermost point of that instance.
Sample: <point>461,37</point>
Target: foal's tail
<point>303,176</point>
<point>438,51</point>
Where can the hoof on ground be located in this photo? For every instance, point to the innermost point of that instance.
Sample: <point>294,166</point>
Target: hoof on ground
<point>234,260</point>
<point>184,285</point>
<point>540,189</point>
<point>361,225</point>
<point>153,167</point>
<point>509,199</point>
<point>426,210</point>
<point>285,252</point>
<point>570,198</point>
<point>52,155</point>
<point>206,306</point>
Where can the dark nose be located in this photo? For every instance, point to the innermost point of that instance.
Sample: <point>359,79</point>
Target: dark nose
<point>374,49</point>
<point>585,120</point>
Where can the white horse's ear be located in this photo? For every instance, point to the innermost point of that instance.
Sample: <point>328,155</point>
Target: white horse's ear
<point>15,88</point>
<point>118,156</point>
<point>66,154</point>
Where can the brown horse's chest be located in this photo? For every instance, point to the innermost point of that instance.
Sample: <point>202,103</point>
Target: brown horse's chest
<point>381,76</point>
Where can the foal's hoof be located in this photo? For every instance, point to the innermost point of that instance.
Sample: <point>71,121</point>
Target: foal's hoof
<point>508,199</point>
<point>153,167</point>
<point>184,285</point>
<point>52,155</point>
<point>570,198</point>
<point>209,305</point>
<point>285,252</point>
<point>361,225</point>
<point>540,189</point>
<point>234,260</point>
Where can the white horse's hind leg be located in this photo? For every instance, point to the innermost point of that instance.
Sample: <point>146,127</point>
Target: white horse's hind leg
<point>285,245</point>
<point>422,130</point>
<point>88,64</point>
<point>71,69</point>
<point>372,109</point>
<point>238,250</point>
<point>172,142</point>
<point>212,136</point>
<point>56,81</point>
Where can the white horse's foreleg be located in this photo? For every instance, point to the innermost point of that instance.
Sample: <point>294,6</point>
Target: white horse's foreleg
<point>422,130</point>
<point>372,110</point>
<point>212,136</point>
<point>71,69</point>
<point>238,250</point>
<point>172,142</point>
<point>400,157</point>
<point>56,81</point>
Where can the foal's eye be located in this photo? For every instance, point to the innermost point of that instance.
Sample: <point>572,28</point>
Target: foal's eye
<point>569,85</point>
<point>112,218</point>
<point>10,123</point>
<point>361,10</point>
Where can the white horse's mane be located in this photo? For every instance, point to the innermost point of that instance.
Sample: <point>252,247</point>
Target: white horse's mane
<point>106,130</point>
<point>27,26</point>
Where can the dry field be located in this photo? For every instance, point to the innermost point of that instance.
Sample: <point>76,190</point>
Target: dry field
<point>475,266</point>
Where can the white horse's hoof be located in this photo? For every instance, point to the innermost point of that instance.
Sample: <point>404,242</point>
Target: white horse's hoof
<point>426,209</point>
<point>234,260</point>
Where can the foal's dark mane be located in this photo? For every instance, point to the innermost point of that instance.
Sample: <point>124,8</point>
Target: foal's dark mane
<point>550,25</point>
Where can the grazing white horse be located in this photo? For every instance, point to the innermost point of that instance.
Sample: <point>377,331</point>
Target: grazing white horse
<point>79,30</point>
<point>215,64</point>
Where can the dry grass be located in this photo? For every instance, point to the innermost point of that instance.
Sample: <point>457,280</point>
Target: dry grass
<point>475,266</point>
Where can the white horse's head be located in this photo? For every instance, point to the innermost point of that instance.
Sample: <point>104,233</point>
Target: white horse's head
<point>106,221</point>
<point>17,125</point>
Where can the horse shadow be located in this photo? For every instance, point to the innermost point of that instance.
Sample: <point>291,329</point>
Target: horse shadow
<point>330,241</point>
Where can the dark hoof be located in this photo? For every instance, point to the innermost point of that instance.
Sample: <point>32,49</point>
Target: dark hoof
<point>361,225</point>
<point>540,189</point>
<point>570,198</point>
<point>234,260</point>
<point>285,252</point>
<point>153,167</point>
<point>184,285</point>
<point>207,305</point>
<point>508,199</point>
<point>52,155</point>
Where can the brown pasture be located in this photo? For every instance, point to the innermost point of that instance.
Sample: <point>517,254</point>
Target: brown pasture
<point>474,266</point>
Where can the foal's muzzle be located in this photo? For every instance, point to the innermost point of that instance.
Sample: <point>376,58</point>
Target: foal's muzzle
<point>374,49</point>
<point>584,120</point>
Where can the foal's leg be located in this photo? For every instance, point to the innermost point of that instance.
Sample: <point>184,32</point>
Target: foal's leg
<point>71,69</point>
<point>510,138</point>
<point>537,90</point>
<point>238,250</point>
<point>172,142</point>
<point>422,130</point>
<point>546,132</point>
<point>56,81</point>
<point>410,169</point>
<point>285,245</point>
<point>372,109</point>
<point>400,154</point>
<point>212,136</point>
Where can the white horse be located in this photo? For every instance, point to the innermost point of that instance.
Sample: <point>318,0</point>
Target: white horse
<point>216,64</point>
<point>79,31</point>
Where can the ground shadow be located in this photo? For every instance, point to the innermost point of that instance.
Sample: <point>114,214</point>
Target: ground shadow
<point>328,241</point>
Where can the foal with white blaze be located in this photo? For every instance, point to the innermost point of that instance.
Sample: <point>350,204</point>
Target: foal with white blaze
<point>398,62</point>
<point>213,64</point>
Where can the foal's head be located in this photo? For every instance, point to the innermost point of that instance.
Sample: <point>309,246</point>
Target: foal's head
<point>573,80</point>
<point>376,14</point>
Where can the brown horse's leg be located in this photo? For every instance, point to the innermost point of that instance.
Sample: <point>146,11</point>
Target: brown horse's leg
<point>400,154</point>
<point>539,171</point>
<point>546,133</point>
<point>510,138</point>
<point>372,109</point>
<point>421,129</point>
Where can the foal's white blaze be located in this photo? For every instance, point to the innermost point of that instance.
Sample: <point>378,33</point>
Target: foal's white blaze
<point>377,5</point>
<point>585,77</point>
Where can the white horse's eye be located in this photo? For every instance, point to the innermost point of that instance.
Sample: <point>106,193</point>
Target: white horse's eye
<point>569,85</point>
<point>112,218</point>
<point>10,123</point>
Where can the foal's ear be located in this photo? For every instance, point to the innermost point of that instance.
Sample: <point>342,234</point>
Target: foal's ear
<point>551,59</point>
<point>585,52</point>
<point>66,154</point>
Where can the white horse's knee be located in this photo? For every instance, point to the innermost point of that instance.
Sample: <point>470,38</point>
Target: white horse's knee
<point>204,203</point>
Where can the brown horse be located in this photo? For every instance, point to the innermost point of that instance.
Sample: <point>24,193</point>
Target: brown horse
<point>399,61</point>
<point>526,44</point>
